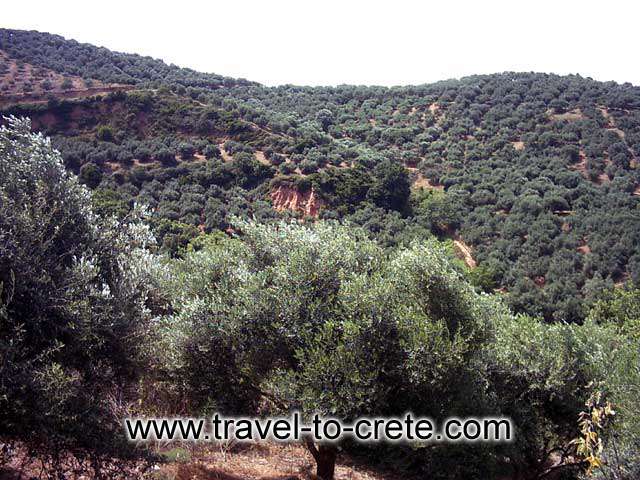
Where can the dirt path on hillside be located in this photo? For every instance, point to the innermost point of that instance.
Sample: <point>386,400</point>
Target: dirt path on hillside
<point>465,251</point>
<point>10,100</point>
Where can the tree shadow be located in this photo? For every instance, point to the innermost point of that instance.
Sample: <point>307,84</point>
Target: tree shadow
<point>8,473</point>
<point>200,472</point>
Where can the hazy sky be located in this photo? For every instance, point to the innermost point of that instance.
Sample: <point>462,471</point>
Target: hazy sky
<point>331,42</point>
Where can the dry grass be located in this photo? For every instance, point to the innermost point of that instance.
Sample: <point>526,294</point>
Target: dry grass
<point>571,116</point>
<point>607,116</point>
<point>265,461</point>
<point>423,182</point>
<point>257,461</point>
<point>617,131</point>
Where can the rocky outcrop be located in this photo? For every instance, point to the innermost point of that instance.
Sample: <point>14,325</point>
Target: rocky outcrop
<point>289,198</point>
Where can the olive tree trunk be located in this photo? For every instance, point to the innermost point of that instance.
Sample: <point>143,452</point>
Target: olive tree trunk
<point>325,456</point>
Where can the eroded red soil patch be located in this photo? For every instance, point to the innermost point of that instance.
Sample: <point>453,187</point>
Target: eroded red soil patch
<point>289,198</point>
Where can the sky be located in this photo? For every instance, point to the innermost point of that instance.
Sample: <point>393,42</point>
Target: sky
<point>331,42</point>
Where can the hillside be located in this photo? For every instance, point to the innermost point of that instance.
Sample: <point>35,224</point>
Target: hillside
<point>456,261</point>
<point>22,82</point>
<point>534,176</point>
<point>68,57</point>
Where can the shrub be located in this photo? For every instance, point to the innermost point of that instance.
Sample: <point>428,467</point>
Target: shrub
<point>211,151</point>
<point>186,150</point>
<point>72,308</point>
<point>90,175</point>
<point>105,133</point>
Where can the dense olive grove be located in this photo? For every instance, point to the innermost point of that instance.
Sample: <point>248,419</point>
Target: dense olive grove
<point>84,60</point>
<point>539,169</point>
<point>283,316</point>
<point>539,173</point>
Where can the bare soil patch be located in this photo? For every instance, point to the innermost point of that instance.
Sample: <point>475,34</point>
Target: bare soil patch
<point>607,116</point>
<point>570,116</point>
<point>289,198</point>
<point>584,249</point>
<point>464,251</point>
<point>581,166</point>
<point>420,181</point>
<point>424,182</point>
<point>260,156</point>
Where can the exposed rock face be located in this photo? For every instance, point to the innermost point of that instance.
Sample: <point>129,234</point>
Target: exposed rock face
<point>289,198</point>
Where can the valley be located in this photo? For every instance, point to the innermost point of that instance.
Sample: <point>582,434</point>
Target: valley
<point>188,242</point>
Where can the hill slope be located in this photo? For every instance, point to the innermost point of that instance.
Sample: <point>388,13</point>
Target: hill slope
<point>537,173</point>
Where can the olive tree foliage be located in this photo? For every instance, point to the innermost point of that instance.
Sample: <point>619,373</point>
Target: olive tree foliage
<point>619,313</point>
<point>542,375</point>
<point>73,312</point>
<point>320,319</point>
<point>325,118</point>
<point>620,307</point>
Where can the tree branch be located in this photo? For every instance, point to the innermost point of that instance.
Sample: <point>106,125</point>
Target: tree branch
<point>561,466</point>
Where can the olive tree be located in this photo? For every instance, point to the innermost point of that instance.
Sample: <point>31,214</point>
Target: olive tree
<point>543,374</point>
<point>73,315</point>
<point>322,320</point>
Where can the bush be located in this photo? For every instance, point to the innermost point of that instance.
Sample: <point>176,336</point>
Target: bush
<point>105,133</point>
<point>186,150</point>
<point>166,156</point>
<point>211,151</point>
<point>90,175</point>
<point>391,186</point>
<point>72,307</point>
